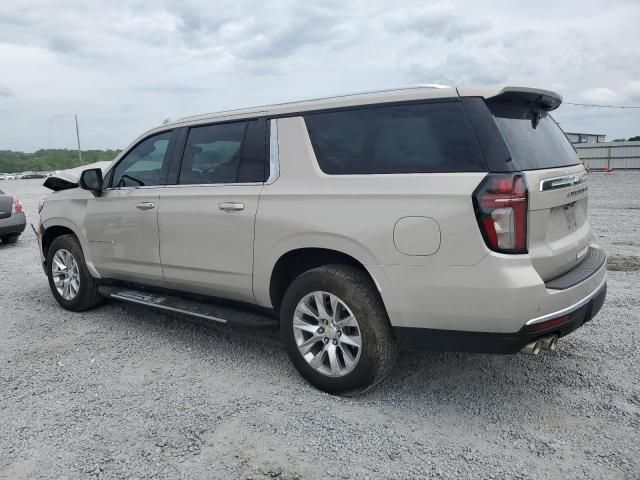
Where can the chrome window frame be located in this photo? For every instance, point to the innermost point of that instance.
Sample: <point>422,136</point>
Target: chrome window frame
<point>274,165</point>
<point>274,152</point>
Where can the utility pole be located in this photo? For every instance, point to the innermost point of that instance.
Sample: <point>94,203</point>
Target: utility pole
<point>78,137</point>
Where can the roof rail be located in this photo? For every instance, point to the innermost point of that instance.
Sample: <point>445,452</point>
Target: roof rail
<point>364,92</point>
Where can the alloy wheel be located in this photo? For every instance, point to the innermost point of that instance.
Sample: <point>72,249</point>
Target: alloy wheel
<point>327,334</point>
<point>66,274</point>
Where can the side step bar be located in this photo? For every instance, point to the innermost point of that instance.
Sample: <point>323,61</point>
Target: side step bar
<point>199,309</point>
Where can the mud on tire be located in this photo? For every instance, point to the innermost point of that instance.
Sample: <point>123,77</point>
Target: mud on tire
<point>88,295</point>
<point>378,346</point>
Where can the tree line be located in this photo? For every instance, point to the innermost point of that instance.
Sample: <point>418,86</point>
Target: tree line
<point>46,160</point>
<point>631,139</point>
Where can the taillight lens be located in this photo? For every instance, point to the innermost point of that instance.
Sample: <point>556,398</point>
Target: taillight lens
<point>553,323</point>
<point>501,205</point>
<point>17,206</point>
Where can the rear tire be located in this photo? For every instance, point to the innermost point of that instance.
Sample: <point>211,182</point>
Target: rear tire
<point>86,294</point>
<point>10,238</point>
<point>350,292</point>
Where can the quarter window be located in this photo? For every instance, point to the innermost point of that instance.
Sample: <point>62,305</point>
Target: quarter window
<point>145,165</point>
<point>417,138</point>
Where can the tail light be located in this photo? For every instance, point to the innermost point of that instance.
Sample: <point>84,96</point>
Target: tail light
<point>501,205</point>
<point>553,323</point>
<point>17,206</point>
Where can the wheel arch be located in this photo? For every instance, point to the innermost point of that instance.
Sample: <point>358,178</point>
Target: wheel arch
<point>294,262</point>
<point>54,228</point>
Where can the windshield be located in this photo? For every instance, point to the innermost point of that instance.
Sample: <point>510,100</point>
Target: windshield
<point>534,138</point>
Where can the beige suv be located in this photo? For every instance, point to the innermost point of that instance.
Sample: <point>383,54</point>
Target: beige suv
<point>431,218</point>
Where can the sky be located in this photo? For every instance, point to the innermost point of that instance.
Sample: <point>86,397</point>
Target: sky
<point>125,66</point>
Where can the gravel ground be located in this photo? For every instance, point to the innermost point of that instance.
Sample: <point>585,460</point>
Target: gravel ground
<point>123,392</point>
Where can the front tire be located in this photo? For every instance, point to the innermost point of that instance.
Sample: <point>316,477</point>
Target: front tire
<point>336,330</point>
<point>69,279</point>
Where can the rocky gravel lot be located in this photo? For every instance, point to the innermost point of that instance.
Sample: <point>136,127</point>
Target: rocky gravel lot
<point>123,392</point>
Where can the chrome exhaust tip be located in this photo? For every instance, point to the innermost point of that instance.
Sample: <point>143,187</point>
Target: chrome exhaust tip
<point>532,348</point>
<point>549,343</point>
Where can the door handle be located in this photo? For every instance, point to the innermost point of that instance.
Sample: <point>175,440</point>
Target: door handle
<point>231,206</point>
<point>145,205</point>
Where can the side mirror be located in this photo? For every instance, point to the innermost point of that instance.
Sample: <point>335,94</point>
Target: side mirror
<point>92,180</point>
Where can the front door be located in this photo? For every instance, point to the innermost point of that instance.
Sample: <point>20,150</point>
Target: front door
<point>206,221</point>
<point>122,223</point>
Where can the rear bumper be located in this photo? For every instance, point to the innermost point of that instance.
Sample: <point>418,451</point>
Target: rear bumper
<point>13,225</point>
<point>561,323</point>
<point>499,294</point>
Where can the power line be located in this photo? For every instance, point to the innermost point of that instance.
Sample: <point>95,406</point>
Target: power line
<point>601,106</point>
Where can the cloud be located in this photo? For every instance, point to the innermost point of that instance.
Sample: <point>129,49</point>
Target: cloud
<point>288,38</point>
<point>601,95</point>
<point>6,92</point>
<point>459,68</point>
<point>437,24</point>
<point>632,89</point>
<point>125,66</point>
<point>172,89</point>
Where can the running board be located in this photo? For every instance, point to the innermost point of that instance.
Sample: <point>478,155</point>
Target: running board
<point>199,309</point>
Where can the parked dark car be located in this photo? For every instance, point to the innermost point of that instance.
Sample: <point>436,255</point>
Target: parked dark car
<point>12,219</point>
<point>27,176</point>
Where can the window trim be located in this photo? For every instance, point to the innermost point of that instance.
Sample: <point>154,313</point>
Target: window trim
<point>263,129</point>
<point>366,106</point>
<point>273,151</point>
<point>176,158</point>
<point>123,156</point>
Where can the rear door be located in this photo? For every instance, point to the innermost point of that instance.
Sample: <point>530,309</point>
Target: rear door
<point>207,219</point>
<point>558,231</point>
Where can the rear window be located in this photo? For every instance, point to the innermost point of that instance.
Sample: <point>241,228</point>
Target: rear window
<point>416,138</point>
<point>534,139</point>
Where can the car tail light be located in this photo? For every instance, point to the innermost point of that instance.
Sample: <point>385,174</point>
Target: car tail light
<point>17,206</point>
<point>501,205</point>
<point>553,323</point>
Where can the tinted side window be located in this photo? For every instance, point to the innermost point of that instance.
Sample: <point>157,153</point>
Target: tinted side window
<point>418,138</point>
<point>253,165</point>
<point>145,165</point>
<point>495,150</point>
<point>212,154</point>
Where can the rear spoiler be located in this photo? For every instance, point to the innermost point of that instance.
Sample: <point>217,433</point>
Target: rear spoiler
<point>546,99</point>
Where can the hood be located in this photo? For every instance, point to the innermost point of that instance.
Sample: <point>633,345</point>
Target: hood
<point>65,179</point>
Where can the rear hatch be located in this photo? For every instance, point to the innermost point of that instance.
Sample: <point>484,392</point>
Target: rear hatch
<point>558,233</point>
<point>6,204</point>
